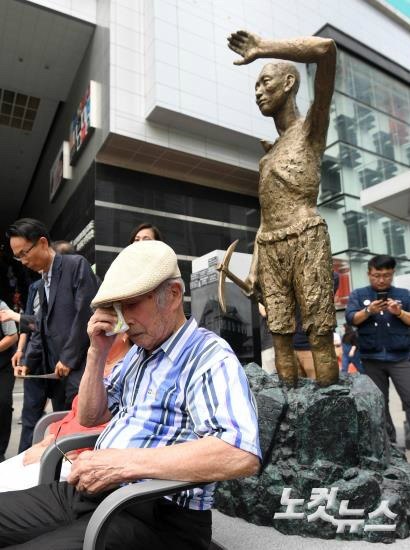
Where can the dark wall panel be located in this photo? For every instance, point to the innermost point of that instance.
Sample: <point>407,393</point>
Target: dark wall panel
<point>174,199</point>
<point>78,212</point>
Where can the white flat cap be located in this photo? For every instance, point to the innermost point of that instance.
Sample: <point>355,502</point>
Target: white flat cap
<point>138,269</point>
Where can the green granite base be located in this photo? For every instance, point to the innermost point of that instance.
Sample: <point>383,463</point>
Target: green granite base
<point>315,437</point>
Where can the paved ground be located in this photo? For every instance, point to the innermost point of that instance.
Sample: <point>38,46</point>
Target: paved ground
<point>237,534</point>
<point>16,428</point>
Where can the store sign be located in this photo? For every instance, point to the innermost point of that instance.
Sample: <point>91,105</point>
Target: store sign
<point>85,236</point>
<point>84,121</point>
<point>60,171</point>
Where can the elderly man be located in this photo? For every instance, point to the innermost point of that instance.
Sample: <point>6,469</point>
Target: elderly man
<point>178,407</point>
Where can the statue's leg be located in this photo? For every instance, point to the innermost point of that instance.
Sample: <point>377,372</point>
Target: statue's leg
<point>314,294</point>
<point>324,358</point>
<point>285,360</point>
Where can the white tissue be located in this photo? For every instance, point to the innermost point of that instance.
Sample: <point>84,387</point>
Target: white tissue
<point>120,326</point>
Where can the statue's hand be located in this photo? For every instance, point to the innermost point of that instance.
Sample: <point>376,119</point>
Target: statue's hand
<point>253,290</point>
<point>245,44</point>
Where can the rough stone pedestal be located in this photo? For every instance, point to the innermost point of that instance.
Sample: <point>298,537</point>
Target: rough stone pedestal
<point>315,437</point>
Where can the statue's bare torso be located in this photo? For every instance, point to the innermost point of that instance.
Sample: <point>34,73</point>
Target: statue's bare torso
<point>289,180</point>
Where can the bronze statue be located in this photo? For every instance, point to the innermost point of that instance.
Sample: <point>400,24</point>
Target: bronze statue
<point>292,259</point>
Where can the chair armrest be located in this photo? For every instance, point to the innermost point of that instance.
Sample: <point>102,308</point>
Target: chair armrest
<point>122,497</point>
<point>50,463</point>
<point>44,423</point>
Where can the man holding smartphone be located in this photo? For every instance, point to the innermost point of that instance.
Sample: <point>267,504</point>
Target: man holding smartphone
<point>381,313</point>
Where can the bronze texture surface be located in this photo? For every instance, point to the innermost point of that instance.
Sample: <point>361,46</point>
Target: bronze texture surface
<point>292,258</point>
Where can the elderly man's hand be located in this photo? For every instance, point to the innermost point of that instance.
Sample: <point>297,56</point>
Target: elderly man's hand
<point>101,322</point>
<point>96,471</point>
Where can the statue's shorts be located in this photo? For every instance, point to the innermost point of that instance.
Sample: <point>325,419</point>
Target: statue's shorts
<point>295,265</point>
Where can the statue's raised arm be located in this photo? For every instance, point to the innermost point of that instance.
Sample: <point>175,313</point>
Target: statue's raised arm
<point>310,49</point>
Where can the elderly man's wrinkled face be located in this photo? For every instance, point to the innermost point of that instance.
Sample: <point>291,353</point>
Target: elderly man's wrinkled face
<point>149,324</point>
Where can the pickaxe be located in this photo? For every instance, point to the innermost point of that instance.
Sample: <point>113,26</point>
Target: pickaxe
<point>224,272</point>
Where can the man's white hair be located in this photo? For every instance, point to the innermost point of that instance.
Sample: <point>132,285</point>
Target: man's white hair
<point>162,290</point>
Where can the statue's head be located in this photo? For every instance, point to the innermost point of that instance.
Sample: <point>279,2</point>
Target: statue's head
<point>276,83</point>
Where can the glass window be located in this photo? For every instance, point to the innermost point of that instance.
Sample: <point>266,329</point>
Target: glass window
<point>344,74</point>
<point>344,120</point>
<point>351,160</point>
<point>333,211</point>
<point>400,103</point>
<point>368,143</point>
<point>381,86</point>
<point>331,183</point>
<point>401,140</point>
<point>363,85</point>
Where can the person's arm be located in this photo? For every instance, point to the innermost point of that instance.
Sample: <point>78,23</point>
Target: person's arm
<point>28,323</point>
<point>7,341</point>
<point>372,309</point>
<point>84,287</point>
<point>34,353</point>
<point>92,402</point>
<point>18,356</point>
<point>92,396</point>
<point>357,313</point>
<point>208,459</point>
<point>395,308</point>
<point>30,319</point>
<point>35,452</point>
<point>310,49</point>
<point>404,317</point>
<point>352,351</point>
<point>9,315</point>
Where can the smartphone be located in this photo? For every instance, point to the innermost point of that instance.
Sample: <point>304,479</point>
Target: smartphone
<point>382,295</point>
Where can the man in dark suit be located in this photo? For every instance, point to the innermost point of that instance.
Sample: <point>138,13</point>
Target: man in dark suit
<point>68,286</point>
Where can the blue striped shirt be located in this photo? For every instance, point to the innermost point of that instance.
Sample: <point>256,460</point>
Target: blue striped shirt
<point>192,386</point>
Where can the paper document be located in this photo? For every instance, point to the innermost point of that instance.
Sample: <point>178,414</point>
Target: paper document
<point>51,376</point>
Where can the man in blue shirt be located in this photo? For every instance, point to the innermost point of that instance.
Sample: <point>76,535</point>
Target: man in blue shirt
<point>381,313</point>
<point>178,406</point>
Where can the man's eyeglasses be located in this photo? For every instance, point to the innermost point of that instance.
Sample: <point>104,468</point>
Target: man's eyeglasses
<point>24,253</point>
<point>58,448</point>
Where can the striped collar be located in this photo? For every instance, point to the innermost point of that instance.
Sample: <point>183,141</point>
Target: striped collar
<point>176,343</point>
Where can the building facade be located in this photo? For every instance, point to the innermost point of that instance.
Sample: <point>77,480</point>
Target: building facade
<point>162,127</point>
<point>368,143</point>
